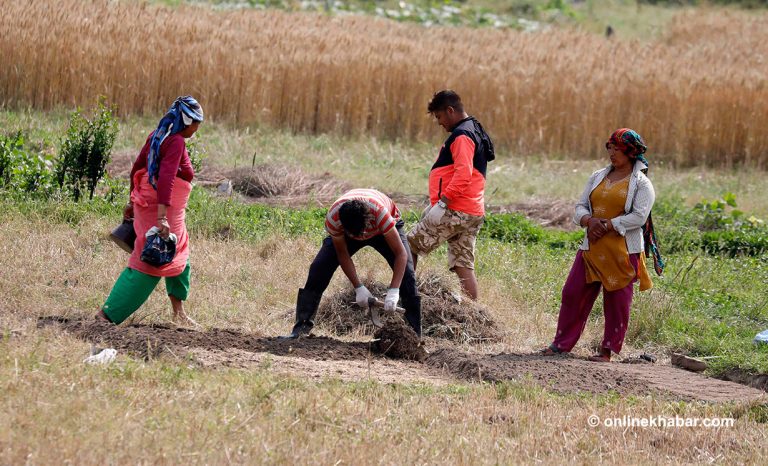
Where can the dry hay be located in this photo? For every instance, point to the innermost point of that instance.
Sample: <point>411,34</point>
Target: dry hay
<point>442,316</point>
<point>282,184</point>
<point>397,340</point>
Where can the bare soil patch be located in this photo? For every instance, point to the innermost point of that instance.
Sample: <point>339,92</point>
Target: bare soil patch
<point>759,381</point>
<point>445,315</point>
<point>381,369</point>
<point>324,356</point>
<point>569,374</point>
<point>547,213</point>
<point>148,341</point>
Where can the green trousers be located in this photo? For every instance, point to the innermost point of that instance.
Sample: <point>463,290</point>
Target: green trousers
<point>132,289</point>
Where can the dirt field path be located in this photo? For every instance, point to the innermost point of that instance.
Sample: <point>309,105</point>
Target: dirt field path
<point>320,357</point>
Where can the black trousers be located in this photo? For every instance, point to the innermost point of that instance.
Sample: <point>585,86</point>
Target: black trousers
<point>326,262</point>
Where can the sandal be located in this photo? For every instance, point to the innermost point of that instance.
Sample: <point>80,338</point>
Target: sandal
<point>603,356</point>
<point>551,350</point>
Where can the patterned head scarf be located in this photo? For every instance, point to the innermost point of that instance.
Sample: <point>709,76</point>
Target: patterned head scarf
<point>632,144</point>
<point>629,142</point>
<point>183,112</point>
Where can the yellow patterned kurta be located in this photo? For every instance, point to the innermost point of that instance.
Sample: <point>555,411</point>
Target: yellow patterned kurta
<point>607,260</point>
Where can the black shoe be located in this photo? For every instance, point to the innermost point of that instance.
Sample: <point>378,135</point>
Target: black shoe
<point>307,303</point>
<point>301,329</point>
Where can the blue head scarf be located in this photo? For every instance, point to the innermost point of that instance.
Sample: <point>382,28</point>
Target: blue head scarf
<point>182,113</point>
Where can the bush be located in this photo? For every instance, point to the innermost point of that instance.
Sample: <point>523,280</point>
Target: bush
<point>23,171</point>
<point>85,151</point>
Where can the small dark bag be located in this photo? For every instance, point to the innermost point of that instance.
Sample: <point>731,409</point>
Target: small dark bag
<point>158,251</point>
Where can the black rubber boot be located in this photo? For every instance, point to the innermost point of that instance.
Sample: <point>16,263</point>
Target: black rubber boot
<point>307,303</point>
<point>413,313</point>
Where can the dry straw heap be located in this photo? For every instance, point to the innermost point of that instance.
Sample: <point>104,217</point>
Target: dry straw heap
<point>697,93</point>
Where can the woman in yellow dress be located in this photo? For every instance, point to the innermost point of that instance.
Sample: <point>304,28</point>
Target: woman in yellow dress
<point>615,209</point>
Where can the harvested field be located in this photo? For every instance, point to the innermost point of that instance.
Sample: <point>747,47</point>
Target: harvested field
<point>561,374</point>
<point>554,92</point>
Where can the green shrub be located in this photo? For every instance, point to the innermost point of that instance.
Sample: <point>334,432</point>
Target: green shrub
<point>85,151</point>
<point>24,171</point>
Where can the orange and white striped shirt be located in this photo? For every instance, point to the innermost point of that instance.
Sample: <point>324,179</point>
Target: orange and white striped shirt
<point>384,214</point>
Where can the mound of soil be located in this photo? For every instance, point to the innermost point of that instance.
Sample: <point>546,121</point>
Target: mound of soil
<point>284,185</point>
<point>397,340</point>
<point>442,315</point>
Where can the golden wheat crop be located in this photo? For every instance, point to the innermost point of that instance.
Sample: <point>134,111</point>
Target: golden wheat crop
<point>698,93</point>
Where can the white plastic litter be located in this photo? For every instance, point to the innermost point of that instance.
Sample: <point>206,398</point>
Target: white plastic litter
<point>104,356</point>
<point>762,337</point>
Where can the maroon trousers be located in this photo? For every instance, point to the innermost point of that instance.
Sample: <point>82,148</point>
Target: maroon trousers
<point>578,299</point>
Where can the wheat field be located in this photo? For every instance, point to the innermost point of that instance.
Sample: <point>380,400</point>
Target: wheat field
<point>697,93</point>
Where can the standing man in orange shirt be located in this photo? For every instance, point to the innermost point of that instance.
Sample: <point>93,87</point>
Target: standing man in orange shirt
<point>456,190</point>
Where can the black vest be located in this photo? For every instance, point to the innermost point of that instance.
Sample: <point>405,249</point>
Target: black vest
<point>484,151</point>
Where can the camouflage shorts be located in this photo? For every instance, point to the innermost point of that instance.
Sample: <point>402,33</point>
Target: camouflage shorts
<point>457,228</point>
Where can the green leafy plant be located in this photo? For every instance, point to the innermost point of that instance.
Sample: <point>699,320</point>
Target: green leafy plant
<point>715,214</point>
<point>10,148</point>
<point>22,170</point>
<point>197,153</point>
<point>712,226</point>
<point>85,151</point>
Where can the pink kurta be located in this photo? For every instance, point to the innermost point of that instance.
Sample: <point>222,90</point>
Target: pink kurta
<point>144,198</point>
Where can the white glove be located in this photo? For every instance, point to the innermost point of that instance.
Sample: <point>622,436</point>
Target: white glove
<point>390,302</point>
<point>435,214</point>
<point>361,296</point>
<point>425,212</point>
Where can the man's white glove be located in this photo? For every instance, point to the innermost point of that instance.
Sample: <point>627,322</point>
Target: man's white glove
<point>390,302</point>
<point>425,212</point>
<point>361,296</point>
<point>435,214</point>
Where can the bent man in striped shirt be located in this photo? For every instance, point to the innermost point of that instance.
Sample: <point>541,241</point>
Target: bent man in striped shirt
<point>359,218</point>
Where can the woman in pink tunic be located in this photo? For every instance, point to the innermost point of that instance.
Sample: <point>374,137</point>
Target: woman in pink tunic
<point>160,187</point>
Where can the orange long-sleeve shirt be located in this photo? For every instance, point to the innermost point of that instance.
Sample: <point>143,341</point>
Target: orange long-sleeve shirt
<point>459,172</point>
